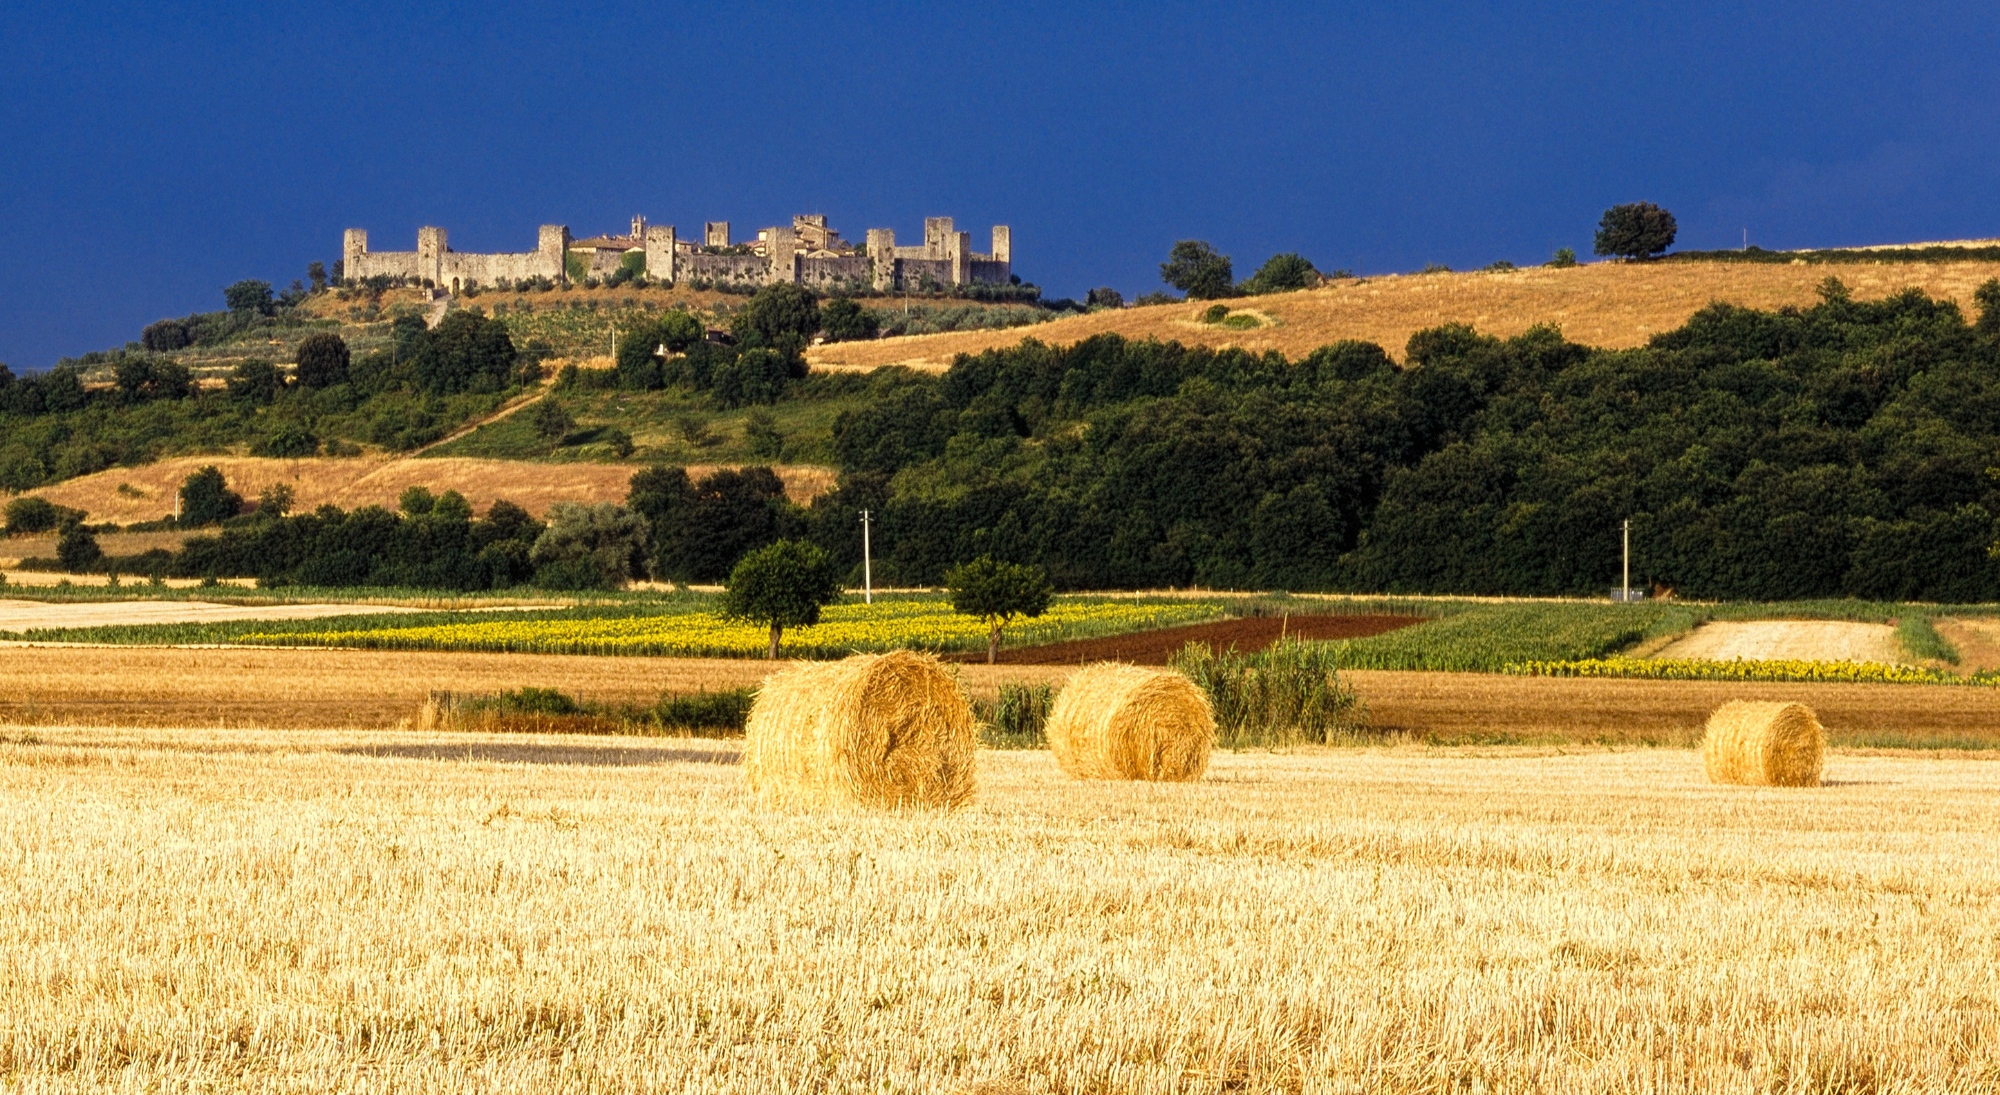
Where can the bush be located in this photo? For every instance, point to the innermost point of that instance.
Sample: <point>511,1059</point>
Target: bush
<point>1215,313</point>
<point>728,709</point>
<point>207,500</point>
<point>26,516</point>
<point>1286,695</point>
<point>255,381</point>
<point>1104,297</point>
<point>845,321</point>
<point>605,539</point>
<point>77,550</point>
<point>166,336</point>
<point>1018,719</point>
<point>323,361</point>
<point>1283,273</point>
<point>1563,259</point>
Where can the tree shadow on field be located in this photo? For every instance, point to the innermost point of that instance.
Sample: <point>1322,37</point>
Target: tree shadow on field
<point>553,753</point>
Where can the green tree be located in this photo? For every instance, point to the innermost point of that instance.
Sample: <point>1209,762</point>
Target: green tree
<point>316,273</point>
<point>77,548</point>
<point>29,515</point>
<point>781,317</point>
<point>166,336</point>
<point>207,500</point>
<point>1283,273</point>
<point>1563,259</point>
<point>783,585</point>
<point>323,361</point>
<point>1988,298</point>
<point>465,352</point>
<point>845,321</point>
<point>997,592</point>
<point>551,421</point>
<point>249,298</point>
<point>599,546</point>
<point>1635,231</point>
<point>1198,270</point>
<point>255,381</point>
<point>642,351</point>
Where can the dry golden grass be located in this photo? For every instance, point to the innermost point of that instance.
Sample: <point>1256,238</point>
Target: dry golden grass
<point>1788,640</point>
<point>322,688</point>
<point>375,480</point>
<point>1613,305</point>
<point>236,912</point>
<point>1764,745</point>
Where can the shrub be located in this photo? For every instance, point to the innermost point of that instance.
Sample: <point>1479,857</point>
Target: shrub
<point>845,321</point>
<point>1288,694</point>
<point>207,500</point>
<point>77,550</point>
<point>605,537</point>
<point>166,336</point>
<point>255,381</point>
<point>29,515</point>
<point>1104,297</point>
<point>1215,313</point>
<point>1283,273</point>
<point>551,422</point>
<point>323,361</point>
<point>1563,258</point>
<point>1019,718</point>
<point>705,710</point>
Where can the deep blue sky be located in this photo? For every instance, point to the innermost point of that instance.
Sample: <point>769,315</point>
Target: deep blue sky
<point>148,157</point>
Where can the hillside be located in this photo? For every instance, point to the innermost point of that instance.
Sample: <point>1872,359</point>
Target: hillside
<point>1606,305</point>
<point>130,495</point>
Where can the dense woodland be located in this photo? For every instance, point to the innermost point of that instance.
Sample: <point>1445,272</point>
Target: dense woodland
<point>1837,450</point>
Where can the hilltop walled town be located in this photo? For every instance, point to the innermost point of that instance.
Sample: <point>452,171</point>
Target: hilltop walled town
<point>806,252</point>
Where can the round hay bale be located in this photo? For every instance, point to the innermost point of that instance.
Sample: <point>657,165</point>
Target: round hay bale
<point>871,730</point>
<point>1764,745</point>
<point>1117,721</point>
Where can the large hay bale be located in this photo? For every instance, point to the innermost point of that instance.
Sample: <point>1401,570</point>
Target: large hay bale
<point>1117,721</point>
<point>1764,745</point>
<point>873,730</point>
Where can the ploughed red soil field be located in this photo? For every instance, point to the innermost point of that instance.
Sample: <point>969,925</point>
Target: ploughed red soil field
<point>1251,633</point>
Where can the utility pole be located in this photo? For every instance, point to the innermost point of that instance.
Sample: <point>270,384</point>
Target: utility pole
<point>867,564</point>
<point>1625,589</point>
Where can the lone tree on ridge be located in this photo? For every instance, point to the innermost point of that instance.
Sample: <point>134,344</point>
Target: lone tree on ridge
<point>1635,231</point>
<point>1198,270</point>
<point>997,592</point>
<point>782,585</point>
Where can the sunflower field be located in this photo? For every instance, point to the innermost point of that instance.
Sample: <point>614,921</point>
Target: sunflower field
<point>926,624</point>
<point>1689,669</point>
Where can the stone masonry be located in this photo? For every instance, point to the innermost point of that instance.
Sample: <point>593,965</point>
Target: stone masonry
<point>806,252</point>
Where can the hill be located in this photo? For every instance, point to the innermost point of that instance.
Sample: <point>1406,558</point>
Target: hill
<point>131,495</point>
<point>1607,305</point>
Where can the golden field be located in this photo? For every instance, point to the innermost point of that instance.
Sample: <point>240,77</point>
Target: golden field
<point>129,495</point>
<point>367,912</point>
<point>1612,305</point>
<point>136,686</point>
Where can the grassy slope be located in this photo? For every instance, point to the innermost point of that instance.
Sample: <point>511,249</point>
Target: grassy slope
<point>1611,305</point>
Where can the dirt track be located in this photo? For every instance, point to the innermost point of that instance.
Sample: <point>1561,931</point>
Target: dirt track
<point>1248,634</point>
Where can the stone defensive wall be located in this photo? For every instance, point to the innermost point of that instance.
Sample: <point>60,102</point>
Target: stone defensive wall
<point>807,252</point>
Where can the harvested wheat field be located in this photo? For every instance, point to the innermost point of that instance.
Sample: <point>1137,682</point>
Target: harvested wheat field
<point>25,615</point>
<point>1612,305</point>
<point>130,495</point>
<point>364,913</point>
<point>1788,640</point>
<point>376,689</point>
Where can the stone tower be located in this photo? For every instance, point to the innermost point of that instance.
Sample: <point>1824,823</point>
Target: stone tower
<point>552,244</point>
<point>660,248</point>
<point>882,258</point>
<point>431,248</point>
<point>1003,244</point>
<point>715,234</point>
<point>353,245</point>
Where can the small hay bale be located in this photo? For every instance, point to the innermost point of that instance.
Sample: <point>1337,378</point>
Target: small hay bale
<point>1764,745</point>
<point>1117,721</point>
<point>872,730</point>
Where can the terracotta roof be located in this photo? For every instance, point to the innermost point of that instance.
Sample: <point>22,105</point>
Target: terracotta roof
<point>607,243</point>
